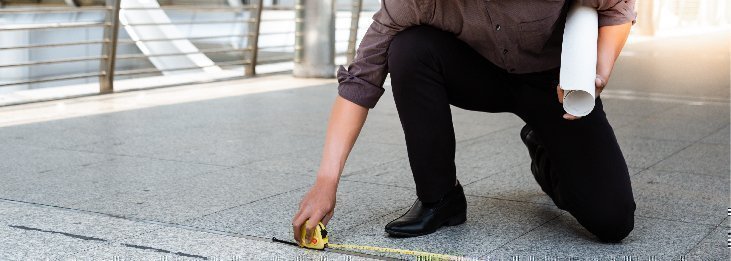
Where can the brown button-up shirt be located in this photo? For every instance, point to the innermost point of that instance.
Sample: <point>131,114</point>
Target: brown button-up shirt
<point>520,36</point>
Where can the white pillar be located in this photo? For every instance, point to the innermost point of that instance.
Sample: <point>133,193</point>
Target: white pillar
<point>315,43</point>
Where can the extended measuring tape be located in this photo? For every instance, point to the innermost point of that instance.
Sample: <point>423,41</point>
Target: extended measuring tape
<point>320,240</point>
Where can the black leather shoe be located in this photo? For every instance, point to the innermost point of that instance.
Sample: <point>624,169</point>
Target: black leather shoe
<point>421,219</point>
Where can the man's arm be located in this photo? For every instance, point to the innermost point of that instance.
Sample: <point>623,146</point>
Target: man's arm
<point>346,121</point>
<point>609,45</point>
<point>360,87</point>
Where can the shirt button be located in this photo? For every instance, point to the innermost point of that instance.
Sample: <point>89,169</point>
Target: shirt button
<point>505,51</point>
<point>497,27</point>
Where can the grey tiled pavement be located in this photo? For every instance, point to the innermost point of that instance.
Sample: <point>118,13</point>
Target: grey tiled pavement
<point>216,178</point>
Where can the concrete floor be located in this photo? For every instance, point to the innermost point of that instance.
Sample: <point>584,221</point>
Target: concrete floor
<point>211,171</point>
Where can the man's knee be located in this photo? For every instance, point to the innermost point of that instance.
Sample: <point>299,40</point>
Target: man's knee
<point>610,224</point>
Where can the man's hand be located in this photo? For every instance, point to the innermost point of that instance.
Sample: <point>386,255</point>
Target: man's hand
<point>600,83</point>
<point>317,205</point>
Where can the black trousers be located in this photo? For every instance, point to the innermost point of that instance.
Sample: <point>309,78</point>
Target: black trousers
<point>582,169</point>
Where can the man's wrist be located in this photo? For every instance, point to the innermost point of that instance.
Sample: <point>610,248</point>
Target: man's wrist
<point>330,179</point>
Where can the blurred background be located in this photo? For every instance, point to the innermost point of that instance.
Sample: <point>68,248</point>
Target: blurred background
<point>51,49</point>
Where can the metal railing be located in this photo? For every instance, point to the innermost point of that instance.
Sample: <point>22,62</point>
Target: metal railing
<point>247,56</point>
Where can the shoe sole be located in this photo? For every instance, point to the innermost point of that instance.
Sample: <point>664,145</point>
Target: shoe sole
<point>453,221</point>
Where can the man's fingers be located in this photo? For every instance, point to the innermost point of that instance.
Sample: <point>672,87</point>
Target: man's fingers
<point>327,217</point>
<point>559,92</point>
<point>311,224</point>
<point>297,226</point>
<point>570,117</point>
<point>600,83</point>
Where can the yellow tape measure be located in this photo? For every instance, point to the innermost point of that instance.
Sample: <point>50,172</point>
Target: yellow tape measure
<point>320,241</point>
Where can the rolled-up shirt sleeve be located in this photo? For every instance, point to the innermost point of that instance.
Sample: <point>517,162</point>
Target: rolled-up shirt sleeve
<point>362,82</point>
<point>614,12</point>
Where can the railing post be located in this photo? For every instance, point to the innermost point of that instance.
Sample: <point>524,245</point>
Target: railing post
<point>109,47</point>
<point>354,19</point>
<point>299,29</point>
<point>250,69</point>
<point>315,39</point>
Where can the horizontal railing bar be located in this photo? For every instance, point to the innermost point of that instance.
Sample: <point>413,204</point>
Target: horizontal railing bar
<point>278,20</point>
<point>275,33</point>
<point>276,59</point>
<point>201,51</point>
<point>53,79</point>
<point>53,26</point>
<point>276,46</point>
<point>52,45</point>
<point>153,70</point>
<point>279,8</point>
<point>126,41</point>
<point>65,60</point>
<point>196,8</point>
<point>53,10</point>
<point>196,22</point>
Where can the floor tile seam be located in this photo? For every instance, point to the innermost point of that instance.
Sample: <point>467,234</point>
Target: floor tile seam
<point>471,195</point>
<point>376,217</point>
<point>526,232</point>
<point>722,221</point>
<point>365,170</point>
<point>695,223</point>
<point>109,243</point>
<point>656,139</point>
<point>258,238</point>
<point>75,165</point>
<point>377,184</point>
<point>663,159</point>
<point>650,115</point>
<point>656,113</point>
<point>120,241</point>
<point>79,211</point>
<point>146,157</point>
<point>121,192</point>
<point>711,143</point>
<point>381,142</point>
<point>705,174</point>
<point>176,160</point>
<point>698,244</point>
<point>680,150</point>
<point>490,174</point>
<point>106,215</point>
<point>93,213</point>
<point>268,157</point>
<point>616,127</point>
<point>246,164</point>
<point>162,225</point>
<point>513,200</point>
<point>470,141</point>
<point>191,219</point>
<point>497,171</point>
<point>253,132</point>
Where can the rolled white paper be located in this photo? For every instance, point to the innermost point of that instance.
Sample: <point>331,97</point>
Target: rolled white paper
<point>578,59</point>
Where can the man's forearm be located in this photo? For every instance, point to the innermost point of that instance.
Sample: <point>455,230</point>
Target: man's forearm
<point>609,45</point>
<point>346,121</point>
